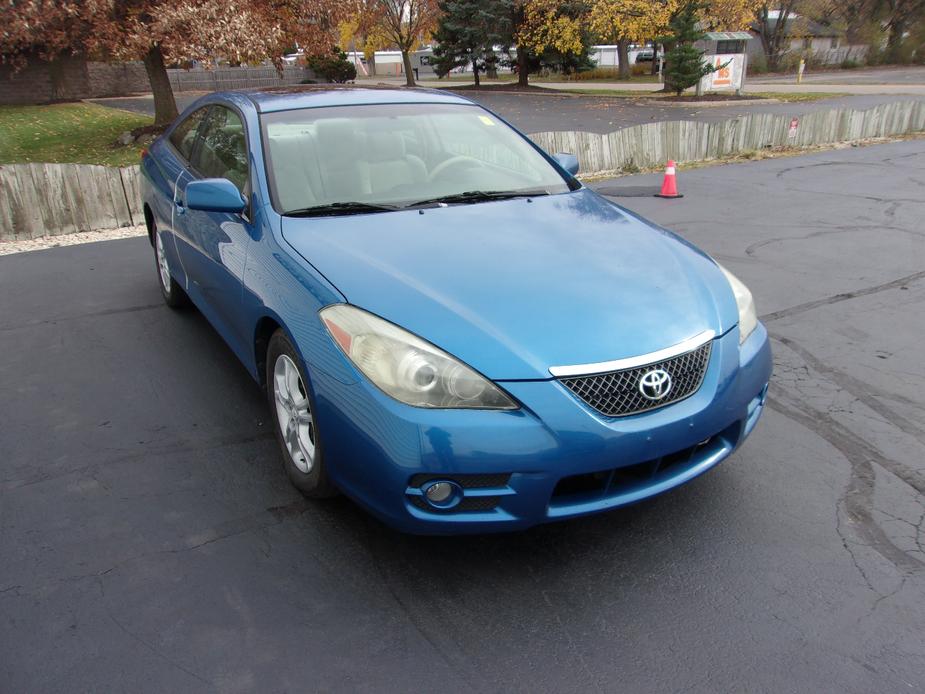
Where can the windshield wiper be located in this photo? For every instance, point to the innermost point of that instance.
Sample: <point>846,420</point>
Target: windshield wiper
<point>339,208</point>
<point>480,196</point>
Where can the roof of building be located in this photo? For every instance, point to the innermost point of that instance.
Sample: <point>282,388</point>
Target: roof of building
<point>728,36</point>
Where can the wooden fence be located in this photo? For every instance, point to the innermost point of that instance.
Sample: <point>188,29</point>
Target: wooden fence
<point>244,77</point>
<point>652,144</point>
<point>51,199</point>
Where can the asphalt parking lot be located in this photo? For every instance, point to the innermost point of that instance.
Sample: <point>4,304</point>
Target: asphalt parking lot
<point>150,541</point>
<point>535,113</point>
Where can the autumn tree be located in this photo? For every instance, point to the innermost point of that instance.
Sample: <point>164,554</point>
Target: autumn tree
<point>47,30</point>
<point>357,33</point>
<point>239,31</point>
<point>774,30</point>
<point>541,25</point>
<point>728,15</point>
<point>629,21</point>
<point>405,23</point>
<point>159,32</point>
<point>899,16</point>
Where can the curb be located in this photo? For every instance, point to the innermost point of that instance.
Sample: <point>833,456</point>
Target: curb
<point>710,104</point>
<point>642,98</point>
<point>550,92</point>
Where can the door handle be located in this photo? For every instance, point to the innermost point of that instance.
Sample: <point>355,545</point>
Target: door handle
<point>179,205</point>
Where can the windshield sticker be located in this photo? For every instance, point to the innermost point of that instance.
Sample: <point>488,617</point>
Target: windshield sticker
<point>486,120</point>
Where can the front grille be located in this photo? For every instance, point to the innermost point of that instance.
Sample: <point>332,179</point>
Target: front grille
<point>626,479</point>
<point>617,394</point>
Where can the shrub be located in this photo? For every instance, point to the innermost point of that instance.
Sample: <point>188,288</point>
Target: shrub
<point>684,64</point>
<point>757,64</point>
<point>333,67</point>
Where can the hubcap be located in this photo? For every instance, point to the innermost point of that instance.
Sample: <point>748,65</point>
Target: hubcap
<point>294,413</point>
<point>162,262</point>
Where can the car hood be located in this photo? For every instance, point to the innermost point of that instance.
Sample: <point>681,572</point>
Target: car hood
<point>515,287</point>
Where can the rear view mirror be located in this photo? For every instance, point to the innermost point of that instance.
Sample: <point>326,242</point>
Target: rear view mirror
<point>567,161</point>
<point>214,195</point>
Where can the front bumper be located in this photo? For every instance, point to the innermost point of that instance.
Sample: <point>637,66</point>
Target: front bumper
<point>554,458</point>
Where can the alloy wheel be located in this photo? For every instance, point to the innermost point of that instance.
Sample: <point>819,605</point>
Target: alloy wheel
<point>294,414</point>
<point>162,266</point>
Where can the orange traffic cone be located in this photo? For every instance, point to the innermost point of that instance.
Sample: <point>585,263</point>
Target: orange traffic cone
<point>669,184</point>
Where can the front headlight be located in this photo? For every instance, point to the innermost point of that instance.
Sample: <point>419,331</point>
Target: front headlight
<point>748,316</point>
<point>406,367</point>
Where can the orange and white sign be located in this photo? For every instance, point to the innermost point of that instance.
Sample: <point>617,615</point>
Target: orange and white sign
<point>723,75</point>
<point>728,73</point>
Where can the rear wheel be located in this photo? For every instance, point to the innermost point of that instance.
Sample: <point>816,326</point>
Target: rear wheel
<point>294,414</point>
<point>173,293</point>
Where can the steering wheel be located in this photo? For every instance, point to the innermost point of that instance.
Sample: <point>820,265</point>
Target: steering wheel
<point>453,162</point>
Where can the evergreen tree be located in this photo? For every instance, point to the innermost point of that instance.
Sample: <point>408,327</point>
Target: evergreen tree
<point>684,64</point>
<point>467,33</point>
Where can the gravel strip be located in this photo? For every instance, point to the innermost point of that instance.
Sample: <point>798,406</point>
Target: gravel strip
<point>39,244</point>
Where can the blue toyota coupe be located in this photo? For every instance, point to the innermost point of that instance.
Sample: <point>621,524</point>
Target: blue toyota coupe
<point>451,329</point>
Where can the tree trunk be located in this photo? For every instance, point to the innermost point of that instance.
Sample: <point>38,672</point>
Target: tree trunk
<point>894,41</point>
<point>623,58</point>
<point>475,71</point>
<point>523,67</point>
<point>491,66</point>
<point>165,106</point>
<point>654,59</point>
<point>409,72</point>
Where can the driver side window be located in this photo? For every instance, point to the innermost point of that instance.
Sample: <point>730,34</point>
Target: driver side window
<point>183,136</point>
<point>222,151</point>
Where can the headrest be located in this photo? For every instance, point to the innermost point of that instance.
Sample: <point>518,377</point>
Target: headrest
<point>384,145</point>
<point>336,138</point>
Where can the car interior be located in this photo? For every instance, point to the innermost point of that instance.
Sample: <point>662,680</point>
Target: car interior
<point>386,159</point>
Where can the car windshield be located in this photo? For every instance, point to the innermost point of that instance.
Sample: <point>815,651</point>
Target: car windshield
<point>376,158</point>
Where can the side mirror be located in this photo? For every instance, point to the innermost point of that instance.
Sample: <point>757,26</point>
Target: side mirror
<point>214,195</point>
<point>567,161</point>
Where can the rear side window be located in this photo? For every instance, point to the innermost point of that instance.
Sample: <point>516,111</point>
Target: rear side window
<point>222,152</point>
<point>183,136</point>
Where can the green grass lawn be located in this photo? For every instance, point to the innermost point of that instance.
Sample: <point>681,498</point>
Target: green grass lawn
<point>76,132</point>
<point>654,95</point>
<point>599,75</point>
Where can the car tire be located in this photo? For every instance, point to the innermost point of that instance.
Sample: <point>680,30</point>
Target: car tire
<point>173,293</point>
<point>293,413</point>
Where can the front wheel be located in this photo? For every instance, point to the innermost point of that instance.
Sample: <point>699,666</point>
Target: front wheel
<point>173,293</point>
<point>294,413</point>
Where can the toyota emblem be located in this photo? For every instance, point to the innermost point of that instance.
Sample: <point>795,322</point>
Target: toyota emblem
<point>655,384</point>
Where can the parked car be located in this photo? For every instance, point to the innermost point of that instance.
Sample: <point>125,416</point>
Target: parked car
<point>451,329</point>
<point>646,55</point>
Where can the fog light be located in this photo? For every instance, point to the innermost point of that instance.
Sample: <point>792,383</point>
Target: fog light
<point>439,492</point>
<point>442,493</point>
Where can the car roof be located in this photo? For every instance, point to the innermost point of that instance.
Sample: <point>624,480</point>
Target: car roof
<point>268,100</point>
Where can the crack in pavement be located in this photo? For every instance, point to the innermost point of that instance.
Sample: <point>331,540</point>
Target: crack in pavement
<point>457,662</point>
<point>789,169</point>
<point>750,250</point>
<point>857,500</point>
<point>865,393</point>
<point>157,652</point>
<point>845,296</point>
